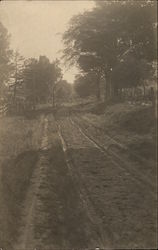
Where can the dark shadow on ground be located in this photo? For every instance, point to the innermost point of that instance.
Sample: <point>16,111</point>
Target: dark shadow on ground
<point>16,176</point>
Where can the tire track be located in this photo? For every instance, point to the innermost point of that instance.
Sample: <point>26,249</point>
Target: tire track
<point>104,238</point>
<point>76,140</point>
<point>138,177</point>
<point>88,206</point>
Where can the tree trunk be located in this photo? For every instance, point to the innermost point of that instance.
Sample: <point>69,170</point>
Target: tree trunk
<point>53,96</point>
<point>144,90</point>
<point>98,86</point>
<point>14,96</point>
<point>107,89</point>
<point>115,92</point>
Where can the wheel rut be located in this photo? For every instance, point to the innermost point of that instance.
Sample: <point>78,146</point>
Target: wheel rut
<point>79,199</point>
<point>57,212</point>
<point>121,201</point>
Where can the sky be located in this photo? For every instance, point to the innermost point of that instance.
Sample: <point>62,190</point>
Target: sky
<point>36,27</point>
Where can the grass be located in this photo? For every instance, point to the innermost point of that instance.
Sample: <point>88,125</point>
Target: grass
<point>19,144</point>
<point>132,125</point>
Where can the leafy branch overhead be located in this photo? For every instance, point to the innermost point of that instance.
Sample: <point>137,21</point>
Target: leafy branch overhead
<point>113,32</point>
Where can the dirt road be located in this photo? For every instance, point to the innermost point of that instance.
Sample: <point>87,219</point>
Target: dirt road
<point>55,213</point>
<point>79,198</point>
<point>125,205</point>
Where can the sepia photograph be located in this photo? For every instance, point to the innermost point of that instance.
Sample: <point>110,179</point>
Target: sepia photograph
<point>78,125</point>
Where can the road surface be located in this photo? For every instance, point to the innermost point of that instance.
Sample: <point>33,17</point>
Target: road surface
<point>83,197</point>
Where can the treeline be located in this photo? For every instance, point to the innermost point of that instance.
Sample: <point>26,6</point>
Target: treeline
<point>24,83</point>
<point>5,58</point>
<point>114,46</point>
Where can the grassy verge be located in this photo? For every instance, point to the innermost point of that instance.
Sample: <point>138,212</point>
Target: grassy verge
<point>19,142</point>
<point>133,126</point>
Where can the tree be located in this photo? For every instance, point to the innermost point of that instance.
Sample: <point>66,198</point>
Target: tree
<point>99,39</point>
<point>5,56</point>
<point>56,78</point>
<point>16,77</point>
<point>91,65</point>
<point>40,78</point>
<point>81,41</point>
<point>29,74</point>
<point>131,72</point>
<point>63,91</point>
<point>85,85</point>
